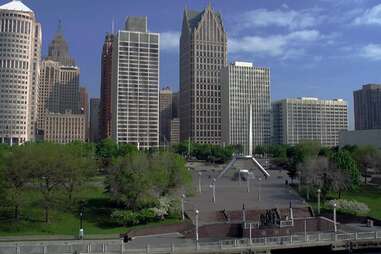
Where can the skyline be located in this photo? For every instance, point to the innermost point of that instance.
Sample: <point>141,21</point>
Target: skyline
<point>311,49</point>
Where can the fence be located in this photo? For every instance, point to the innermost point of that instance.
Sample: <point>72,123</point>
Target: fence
<point>117,246</point>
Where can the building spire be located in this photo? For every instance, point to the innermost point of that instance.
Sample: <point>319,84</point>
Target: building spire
<point>113,25</point>
<point>59,27</point>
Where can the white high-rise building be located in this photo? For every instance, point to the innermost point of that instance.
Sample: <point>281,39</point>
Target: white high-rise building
<point>309,119</point>
<point>135,85</point>
<point>20,53</point>
<point>245,91</point>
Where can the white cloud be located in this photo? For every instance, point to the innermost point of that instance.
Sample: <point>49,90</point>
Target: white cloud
<point>169,40</point>
<point>372,52</point>
<point>285,46</point>
<point>371,16</point>
<point>282,18</point>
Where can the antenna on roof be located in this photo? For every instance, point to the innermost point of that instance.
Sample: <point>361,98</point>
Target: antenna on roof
<point>186,5</point>
<point>59,27</point>
<point>113,25</point>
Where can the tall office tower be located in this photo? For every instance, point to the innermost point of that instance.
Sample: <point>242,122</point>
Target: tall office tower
<point>59,49</point>
<point>49,95</point>
<point>20,35</point>
<point>367,104</point>
<point>165,117</point>
<point>106,74</point>
<point>245,89</point>
<point>135,85</point>
<point>58,83</point>
<point>296,120</point>
<point>203,53</point>
<point>175,104</point>
<point>94,119</point>
<point>84,100</point>
<point>175,131</point>
<point>84,108</point>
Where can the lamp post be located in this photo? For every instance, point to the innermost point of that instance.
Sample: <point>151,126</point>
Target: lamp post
<point>81,214</point>
<point>199,182</point>
<point>182,207</point>
<point>214,190</point>
<point>248,183</point>
<point>259,188</point>
<point>197,212</point>
<point>318,199</point>
<point>334,217</point>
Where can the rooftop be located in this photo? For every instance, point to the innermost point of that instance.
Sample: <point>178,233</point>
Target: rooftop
<point>15,5</point>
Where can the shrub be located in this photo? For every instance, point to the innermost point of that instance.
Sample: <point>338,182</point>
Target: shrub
<point>125,218</point>
<point>349,206</point>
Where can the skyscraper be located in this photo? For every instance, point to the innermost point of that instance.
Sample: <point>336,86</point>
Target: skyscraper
<point>203,53</point>
<point>296,120</point>
<point>94,119</point>
<point>135,84</point>
<point>58,83</point>
<point>106,76</point>
<point>84,108</point>
<point>367,104</point>
<point>19,72</point>
<point>165,115</point>
<point>59,49</point>
<point>245,86</point>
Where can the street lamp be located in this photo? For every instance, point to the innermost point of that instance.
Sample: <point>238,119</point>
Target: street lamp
<point>197,212</point>
<point>318,199</point>
<point>259,188</point>
<point>334,216</point>
<point>81,214</point>
<point>182,207</point>
<point>199,181</point>
<point>213,186</point>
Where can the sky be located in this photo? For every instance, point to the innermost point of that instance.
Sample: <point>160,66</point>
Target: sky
<point>314,48</point>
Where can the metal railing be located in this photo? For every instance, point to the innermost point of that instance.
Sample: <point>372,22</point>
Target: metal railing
<point>117,246</point>
<point>307,240</point>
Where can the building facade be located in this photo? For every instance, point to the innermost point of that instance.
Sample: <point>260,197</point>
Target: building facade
<point>203,53</point>
<point>361,138</point>
<point>245,90</point>
<point>302,119</point>
<point>175,131</point>
<point>95,119</point>
<point>58,83</point>
<point>106,77</point>
<point>367,107</point>
<point>20,34</point>
<point>65,128</point>
<point>135,84</point>
<point>165,109</point>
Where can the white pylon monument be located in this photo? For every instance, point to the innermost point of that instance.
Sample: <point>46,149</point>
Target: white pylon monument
<point>249,155</point>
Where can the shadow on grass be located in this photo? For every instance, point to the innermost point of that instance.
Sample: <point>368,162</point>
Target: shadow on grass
<point>98,211</point>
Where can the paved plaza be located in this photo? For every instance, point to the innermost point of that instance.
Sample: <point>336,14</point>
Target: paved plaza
<point>231,194</point>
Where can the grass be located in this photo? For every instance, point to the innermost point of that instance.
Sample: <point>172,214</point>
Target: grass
<point>64,219</point>
<point>368,194</point>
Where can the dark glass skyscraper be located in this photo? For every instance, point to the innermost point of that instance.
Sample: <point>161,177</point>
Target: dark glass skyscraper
<point>367,104</point>
<point>106,75</point>
<point>203,53</point>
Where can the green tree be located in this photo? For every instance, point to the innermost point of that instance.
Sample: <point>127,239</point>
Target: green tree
<point>106,151</point>
<point>17,173</point>
<point>345,162</point>
<point>367,157</point>
<point>48,169</point>
<point>77,165</point>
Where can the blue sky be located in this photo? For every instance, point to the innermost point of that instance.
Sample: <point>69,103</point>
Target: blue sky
<point>320,48</point>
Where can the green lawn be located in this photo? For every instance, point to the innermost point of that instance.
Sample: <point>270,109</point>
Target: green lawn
<point>368,194</point>
<point>65,221</point>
